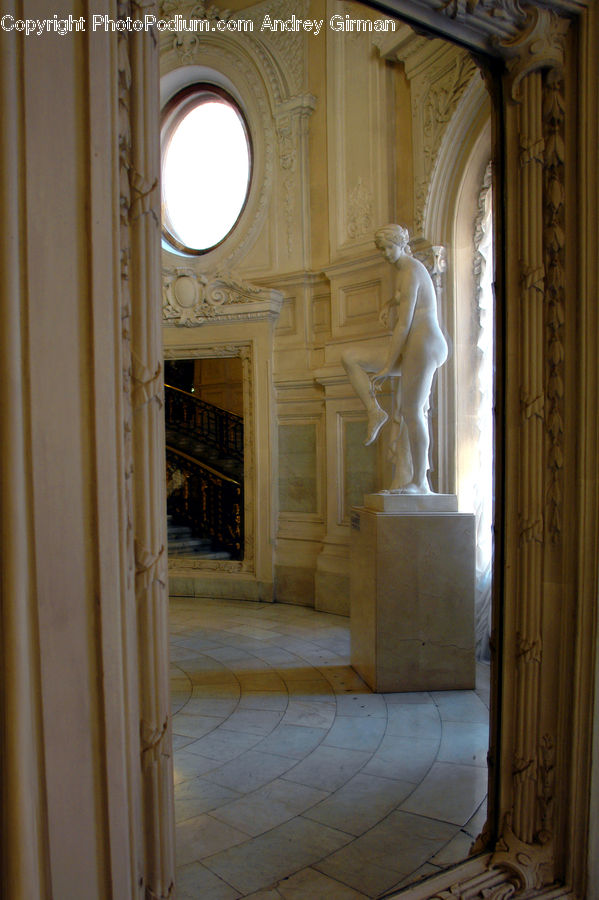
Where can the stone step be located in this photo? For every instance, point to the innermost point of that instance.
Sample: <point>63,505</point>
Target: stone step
<point>200,554</point>
<point>189,543</point>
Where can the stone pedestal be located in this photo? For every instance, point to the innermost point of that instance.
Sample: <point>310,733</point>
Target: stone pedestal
<point>412,595</point>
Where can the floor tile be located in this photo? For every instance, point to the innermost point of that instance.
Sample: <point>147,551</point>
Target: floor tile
<point>250,771</point>
<point>196,882</point>
<point>276,656</point>
<point>328,768</point>
<point>314,714</point>
<point>181,740</point>
<point>229,691</point>
<point>311,691</point>
<point>401,843</point>
<point>295,741</point>
<point>180,682</point>
<point>204,836</point>
<point>280,852</point>
<point>269,806</point>
<point>457,849</point>
<point>260,681</point>
<point>343,679</point>
<point>228,654</point>
<point>360,804</point>
<point>300,672</point>
<point>360,705</point>
<point>475,825</point>
<point>464,742</point>
<point>406,720</point>
<point>211,706</point>
<point>356,733</point>
<point>418,697</point>
<point>309,884</point>
<point>308,786</point>
<point>450,793</point>
<point>199,795</point>
<point>266,894</point>
<point>194,726</point>
<point>188,765</point>
<point>178,700</point>
<point>254,631</point>
<point>223,745</point>
<point>272,700</point>
<point>460,706</point>
<point>403,758</point>
<point>252,721</point>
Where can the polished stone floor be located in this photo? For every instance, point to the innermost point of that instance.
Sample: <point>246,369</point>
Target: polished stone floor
<point>293,780</point>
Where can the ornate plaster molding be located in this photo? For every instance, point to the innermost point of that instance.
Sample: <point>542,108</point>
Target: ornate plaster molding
<point>540,44</point>
<point>124,110</point>
<point>528,36</point>
<point>190,299</point>
<point>287,47</point>
<point>186,43</point>
<point>555,237</point>
<point>291,129</point>
<point>481,24</point>
<point>440,75</point>
<point>359,211</point>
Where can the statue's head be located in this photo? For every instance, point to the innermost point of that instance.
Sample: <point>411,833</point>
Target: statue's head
<point>393,234</point>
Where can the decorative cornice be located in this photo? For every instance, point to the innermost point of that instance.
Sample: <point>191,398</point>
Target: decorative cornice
<point>481,25</point>
<point>539,45</point>
<point>191,299</point>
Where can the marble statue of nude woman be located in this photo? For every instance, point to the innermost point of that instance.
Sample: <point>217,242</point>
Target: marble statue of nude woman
<point>416,349</point>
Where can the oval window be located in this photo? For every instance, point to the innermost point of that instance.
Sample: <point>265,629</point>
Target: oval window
<point>206,168</point>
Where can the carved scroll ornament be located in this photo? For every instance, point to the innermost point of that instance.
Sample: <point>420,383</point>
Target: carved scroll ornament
<point>190,299</point>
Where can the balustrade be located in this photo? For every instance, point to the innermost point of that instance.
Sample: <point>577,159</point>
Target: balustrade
<point>214,426</point>
<point>199,496</point>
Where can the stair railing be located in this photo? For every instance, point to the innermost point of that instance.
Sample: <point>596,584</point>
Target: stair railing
<point>217,427</point>
<point>210,503</point>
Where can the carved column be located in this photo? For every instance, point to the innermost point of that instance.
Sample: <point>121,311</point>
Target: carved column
<point>148,467</point>
<point>534,331</point>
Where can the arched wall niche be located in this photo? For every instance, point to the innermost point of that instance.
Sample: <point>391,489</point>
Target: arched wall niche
<point>536,841</point>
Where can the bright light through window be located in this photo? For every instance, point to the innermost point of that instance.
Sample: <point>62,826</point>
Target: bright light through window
<point>205,174</point>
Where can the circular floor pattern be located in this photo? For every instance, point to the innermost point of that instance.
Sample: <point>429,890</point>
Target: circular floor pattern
<point>292,779</point>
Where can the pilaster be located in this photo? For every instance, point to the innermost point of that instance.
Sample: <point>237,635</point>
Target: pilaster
<point>142,228</point>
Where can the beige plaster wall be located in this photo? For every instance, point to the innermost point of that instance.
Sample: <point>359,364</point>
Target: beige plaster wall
<point>332,120</point>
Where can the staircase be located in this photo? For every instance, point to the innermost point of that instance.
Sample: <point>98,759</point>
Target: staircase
<point>215,457</point>
<point>181,542</point>
<point>204,462</point>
